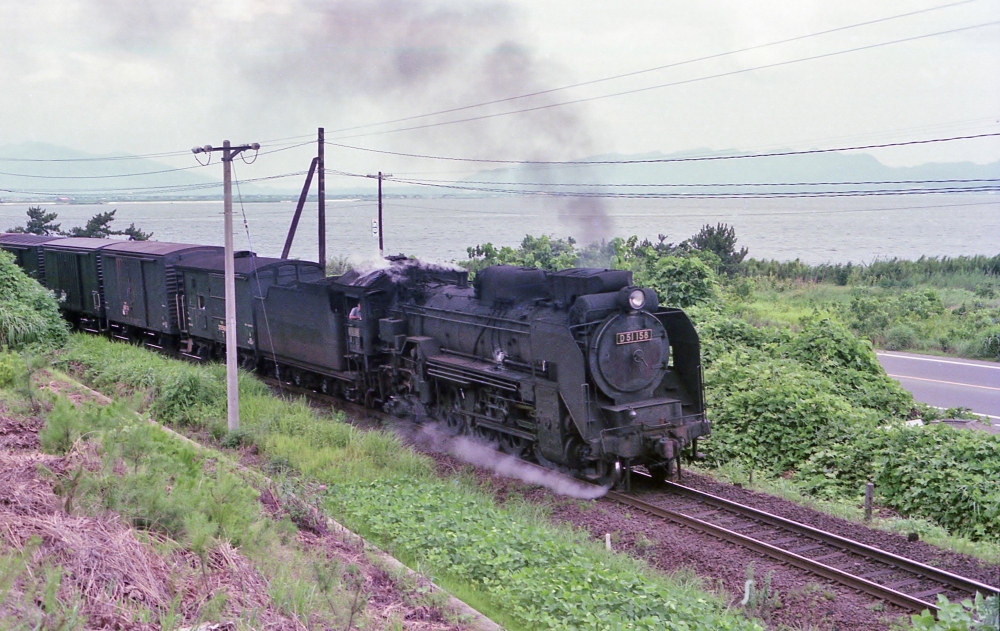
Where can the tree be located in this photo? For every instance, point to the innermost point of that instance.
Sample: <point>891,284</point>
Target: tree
<point>39,222</point>
<point>98,226</point>
<point>721,241</point>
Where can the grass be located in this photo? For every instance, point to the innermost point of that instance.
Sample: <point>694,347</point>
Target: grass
<point>511,564</point>
<point>964,309</point>
<point>179,498</point>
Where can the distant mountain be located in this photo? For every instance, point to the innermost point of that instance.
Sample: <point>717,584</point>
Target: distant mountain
<point>34,170</point>
<point>725,173</point>
<point>39,171</point>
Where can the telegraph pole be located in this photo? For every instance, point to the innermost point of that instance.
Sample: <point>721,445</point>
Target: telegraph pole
<point>321,194</point>
<point>232,389</point>
<point>381,247</point>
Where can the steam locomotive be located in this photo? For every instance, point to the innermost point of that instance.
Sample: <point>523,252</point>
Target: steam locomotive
<point>577,369</point>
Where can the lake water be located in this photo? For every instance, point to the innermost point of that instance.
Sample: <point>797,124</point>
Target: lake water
<point>813,230</point>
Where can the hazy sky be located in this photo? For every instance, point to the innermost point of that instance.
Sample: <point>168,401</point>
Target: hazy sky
<point>163,75</point>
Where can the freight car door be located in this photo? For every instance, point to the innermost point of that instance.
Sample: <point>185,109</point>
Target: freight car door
<point>133,293</point>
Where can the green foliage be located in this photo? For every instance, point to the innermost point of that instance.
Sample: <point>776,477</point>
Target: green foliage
<point>11,367</point>
<point>721,241</point>
<point>943,473</point>
<point>39,222</point>
<point>900,338</point>
<point>62,428</point>
<point>680,281</point>
<point>545,582</point>
<point>99,227</point>
<point>967,615</point>
<point>29,313</point>
<point>775,413</point>
<point>542,252</point>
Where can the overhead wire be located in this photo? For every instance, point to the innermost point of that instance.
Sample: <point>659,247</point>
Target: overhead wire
<point>733,156</point>
<point>655,68</point>
<point>671,84</point>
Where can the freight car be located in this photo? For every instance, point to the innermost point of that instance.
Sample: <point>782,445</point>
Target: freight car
<point>577,369</point>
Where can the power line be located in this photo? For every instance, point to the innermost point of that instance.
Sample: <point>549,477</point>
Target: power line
<point>716,184</point>
<point>99,177</point>
<point>186,152</point>
<point>741,195</point>
<point>731,211</point>
<point>771,154</point>
<point>655,68</point>
<point>150,189</point>
<point>672,84</point>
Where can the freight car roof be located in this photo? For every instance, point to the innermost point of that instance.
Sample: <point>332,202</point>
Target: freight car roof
<point>246,262</point>
<point>80,243</point>
<point>16,238</point>
<point>156,248</point>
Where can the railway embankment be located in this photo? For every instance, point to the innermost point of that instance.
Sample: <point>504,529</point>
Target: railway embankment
<point>516,567</point>
<point>112,522</point>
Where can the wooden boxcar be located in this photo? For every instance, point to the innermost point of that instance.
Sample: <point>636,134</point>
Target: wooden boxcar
<point>141,288</point>
<point>202,304</point>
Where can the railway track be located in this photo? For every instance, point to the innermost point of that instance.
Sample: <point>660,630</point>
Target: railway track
<point>887,576</point>
<point>895,579</point>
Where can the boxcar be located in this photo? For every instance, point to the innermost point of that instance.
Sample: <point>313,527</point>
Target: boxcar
<point>73,271</point>
<point>140,281</point>
<point>202,304</point>
<point>27,252</point>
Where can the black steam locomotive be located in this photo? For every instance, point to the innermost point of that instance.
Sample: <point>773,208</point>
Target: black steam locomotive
<point>577,369</point>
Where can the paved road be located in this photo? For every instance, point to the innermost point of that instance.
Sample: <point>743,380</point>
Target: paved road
<point>948,382</point>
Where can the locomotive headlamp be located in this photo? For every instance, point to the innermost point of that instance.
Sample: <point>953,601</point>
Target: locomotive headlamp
<point>637,299</point>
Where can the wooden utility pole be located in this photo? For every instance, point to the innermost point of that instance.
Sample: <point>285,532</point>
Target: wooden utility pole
<point>381,245</point>
<point>232,389</point>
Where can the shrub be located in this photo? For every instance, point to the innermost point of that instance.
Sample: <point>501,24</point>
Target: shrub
<point>900,338</point>
<point>29,313</point>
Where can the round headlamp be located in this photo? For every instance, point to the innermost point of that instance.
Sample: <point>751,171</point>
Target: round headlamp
<point>637,299</point>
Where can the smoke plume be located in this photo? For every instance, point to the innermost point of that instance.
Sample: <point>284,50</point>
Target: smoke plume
<point>342,63</point>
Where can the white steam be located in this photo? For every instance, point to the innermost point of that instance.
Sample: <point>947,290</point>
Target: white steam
<point>480,455</point>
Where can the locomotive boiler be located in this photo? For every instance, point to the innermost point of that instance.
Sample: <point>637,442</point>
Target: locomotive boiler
<point>577,369</point>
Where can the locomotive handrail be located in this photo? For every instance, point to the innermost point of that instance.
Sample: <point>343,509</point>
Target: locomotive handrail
<point>474,315</point>
<point>487,326</point>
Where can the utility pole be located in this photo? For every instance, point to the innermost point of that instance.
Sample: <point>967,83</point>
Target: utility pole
<point>232,390</point>
<point>321,167</point>
<point>381,247</point>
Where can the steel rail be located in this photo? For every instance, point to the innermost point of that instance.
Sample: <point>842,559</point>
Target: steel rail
<point>785,556</point>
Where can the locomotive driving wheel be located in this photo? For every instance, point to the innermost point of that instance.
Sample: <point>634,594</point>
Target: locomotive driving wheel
<point>513,445</point>
<point>453,415</point>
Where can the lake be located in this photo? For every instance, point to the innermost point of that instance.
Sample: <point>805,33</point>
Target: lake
<point>813,230</point>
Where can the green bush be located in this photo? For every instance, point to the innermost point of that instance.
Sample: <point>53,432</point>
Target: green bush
<point>29,313</point>
<point>11,366</point>
<point>900,338</point>
<point>63,426</point>
<point>775,413</point>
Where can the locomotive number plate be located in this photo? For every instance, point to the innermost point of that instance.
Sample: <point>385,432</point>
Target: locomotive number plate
<point>630,337</point>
